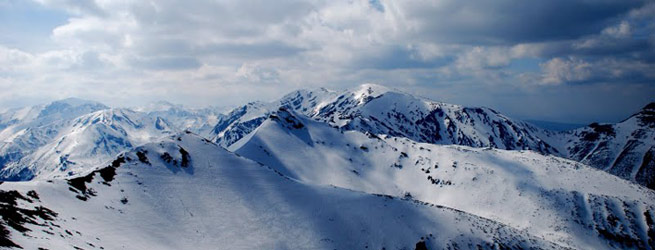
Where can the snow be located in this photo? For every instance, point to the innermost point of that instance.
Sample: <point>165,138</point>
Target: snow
<point>522,189</point>
<point>365,167</point>
<point>227,201</point>
<point>89,140</point>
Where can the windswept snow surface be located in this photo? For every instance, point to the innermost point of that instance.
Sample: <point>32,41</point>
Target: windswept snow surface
<point>558,199</point>
<point>188,193</point>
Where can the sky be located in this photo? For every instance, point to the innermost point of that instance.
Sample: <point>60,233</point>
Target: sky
<point>573,61</point>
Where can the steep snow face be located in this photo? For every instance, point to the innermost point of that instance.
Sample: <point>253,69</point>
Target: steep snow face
<point>199,121</point>
<point>24,130</point>
<point>560,200</point>
<point>88,141</point>
<point>625,149</point>
<point>188,193</point>
<point>376,109</point>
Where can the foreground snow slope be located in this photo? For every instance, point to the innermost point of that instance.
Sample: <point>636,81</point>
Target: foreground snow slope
<point>554,198</point>
<point>188,193</point>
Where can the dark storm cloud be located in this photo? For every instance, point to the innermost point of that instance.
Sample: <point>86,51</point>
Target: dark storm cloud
<point>510,22</point>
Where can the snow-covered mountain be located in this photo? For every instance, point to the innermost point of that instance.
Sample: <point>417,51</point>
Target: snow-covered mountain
<point>379,110</point>
<point>363,168</point>
<point>87,141</point>
<point>188,193</point>
<point>199,121</point>
<point>65,137</point>
<point>24,130</point>
<point>243,120</point>
<point>560,200</point>
<point>625,149</point>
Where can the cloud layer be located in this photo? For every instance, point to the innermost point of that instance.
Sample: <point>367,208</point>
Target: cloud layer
<point>533,59</point>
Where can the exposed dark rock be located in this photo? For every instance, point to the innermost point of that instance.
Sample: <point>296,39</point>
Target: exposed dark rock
<point>421,246</point>
<point>16,217</point>
<point>143,157</point>
<point>186,158</point>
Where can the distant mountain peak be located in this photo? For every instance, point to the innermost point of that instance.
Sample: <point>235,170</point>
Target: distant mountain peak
<point>76,102</point>
<point>647,115</point>
<point>369,90</point>
<point>69,108</point>
<point>158,106</point>
<point>650,107</point>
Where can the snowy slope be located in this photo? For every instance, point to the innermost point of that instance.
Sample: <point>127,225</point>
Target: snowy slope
<point>88,141</point>
<point>188,193</point>
<point>560,200</point>
<point>24,130</point>
<point>376,109</point>
<point>625,149</point>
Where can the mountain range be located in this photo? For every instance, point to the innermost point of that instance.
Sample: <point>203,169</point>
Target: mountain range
<point>369,167</point>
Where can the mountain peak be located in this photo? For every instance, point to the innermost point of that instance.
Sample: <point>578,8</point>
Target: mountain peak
<point>76,102</point>
<point>370,89</point>
<point>647,115</point>
<point>158,106</point>
<point>649,107</point>
<point>70,107</point>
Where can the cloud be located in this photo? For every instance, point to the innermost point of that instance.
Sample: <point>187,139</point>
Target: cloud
<point>559,70</point>
<point>226,52</point>
<point>508,21</point>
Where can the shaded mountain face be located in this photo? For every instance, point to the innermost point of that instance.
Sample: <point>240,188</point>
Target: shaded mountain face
<point>625,149</point>
<point>560,200</point>
<point>185,192</point>
<point>378,110</point>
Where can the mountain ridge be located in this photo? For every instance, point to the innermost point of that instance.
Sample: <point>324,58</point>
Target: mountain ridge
<point>548,196</point>
<point>149,197</point>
